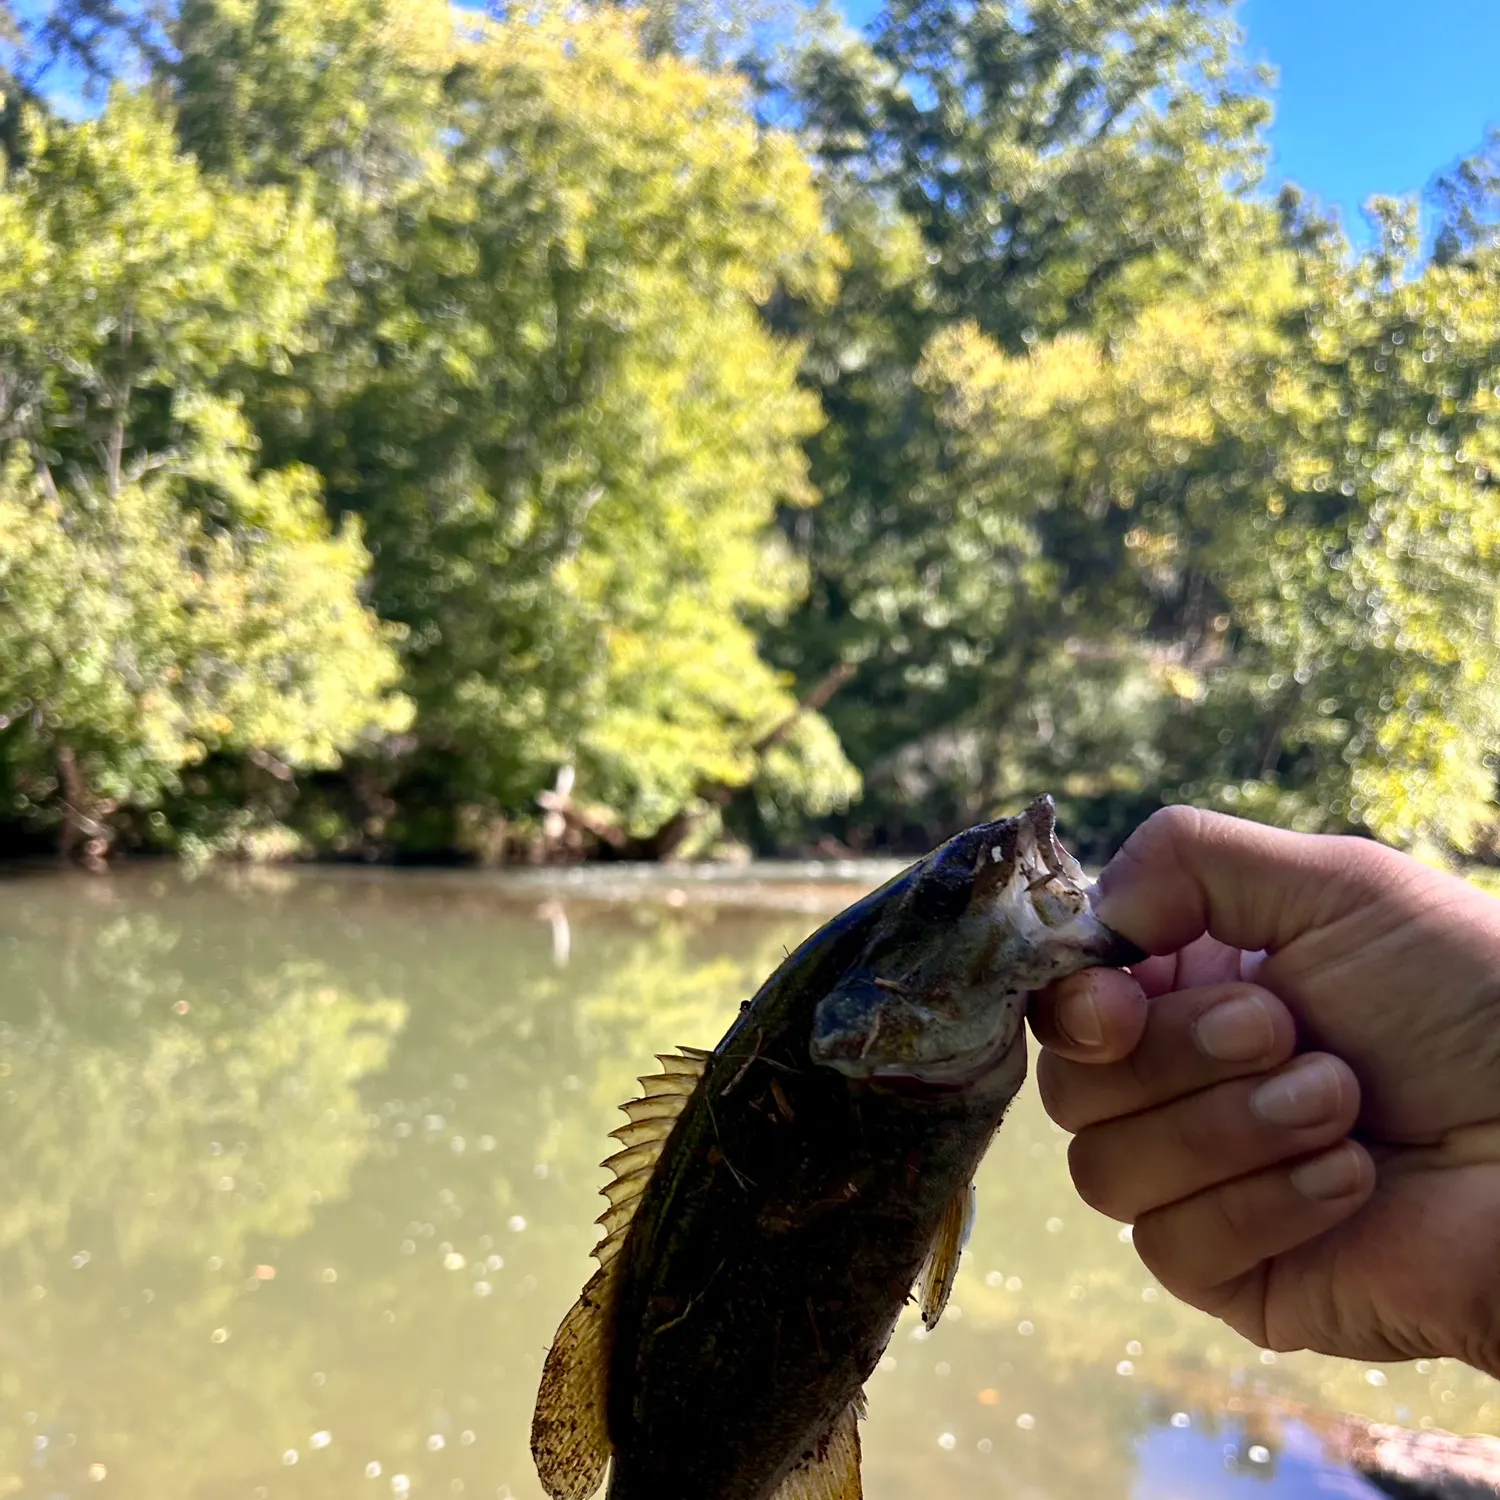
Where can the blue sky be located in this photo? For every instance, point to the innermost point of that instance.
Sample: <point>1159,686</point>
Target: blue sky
<point>1375,95</point>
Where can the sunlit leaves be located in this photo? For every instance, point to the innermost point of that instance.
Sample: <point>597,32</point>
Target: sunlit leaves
<point>552,399</point>
<point>161,595</point>
<point>1309,550</point>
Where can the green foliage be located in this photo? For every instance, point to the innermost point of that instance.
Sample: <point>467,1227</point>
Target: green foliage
<point>1043,150</point>
<point>1295,539</point>
<point>1125,491</point>
<point>161,595</point>
<point>439,435</point>
<point>1031,170</point>
<point>553,403</point>
<point>343,87</point>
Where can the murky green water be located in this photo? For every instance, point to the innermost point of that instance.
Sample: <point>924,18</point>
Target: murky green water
<point>298,1177</point>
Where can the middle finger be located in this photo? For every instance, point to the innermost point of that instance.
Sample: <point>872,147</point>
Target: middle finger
<point>1192,1040</point>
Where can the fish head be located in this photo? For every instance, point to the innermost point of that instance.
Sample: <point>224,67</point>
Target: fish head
<point>938,993</point>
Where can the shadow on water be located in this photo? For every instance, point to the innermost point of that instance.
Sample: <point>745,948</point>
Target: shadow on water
<point>300,1171</point>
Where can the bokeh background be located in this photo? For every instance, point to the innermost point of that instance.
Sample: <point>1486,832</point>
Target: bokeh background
<point>301,1169</point>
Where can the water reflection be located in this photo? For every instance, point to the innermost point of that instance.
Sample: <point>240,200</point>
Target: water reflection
<point>1182,1464</point>
<point>300,1172</point>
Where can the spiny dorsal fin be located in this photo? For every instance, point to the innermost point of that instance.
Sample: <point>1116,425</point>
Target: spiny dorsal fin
<point>947,1245</point>
<point>653,1107</point>
<point>667,1085</point>
<point>832,1472</point>
<point>652,1117</point>
<point>637,1132</point>
<point>569,1438</point>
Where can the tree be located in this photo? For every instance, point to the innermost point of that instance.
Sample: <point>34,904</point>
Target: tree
<point>1266,519</point>
<point>161,594</point>
<point>1042,151</point>
<point>546,391</point>
<point>1032,170</point>
<point>1467,198</point>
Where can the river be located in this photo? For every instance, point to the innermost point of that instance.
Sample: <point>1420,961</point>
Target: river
<point>299,1175</point>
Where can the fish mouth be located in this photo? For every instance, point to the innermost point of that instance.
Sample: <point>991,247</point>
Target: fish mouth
<point>1086,943</point>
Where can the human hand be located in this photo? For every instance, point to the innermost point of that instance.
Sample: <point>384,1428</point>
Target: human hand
<point>1354,1206</point>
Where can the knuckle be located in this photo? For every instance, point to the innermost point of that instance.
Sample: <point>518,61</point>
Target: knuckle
<point>1201,1136</point>
<point>1158,1246</point>
<point>1195,1246</point>
<point>1095,1180</point>
<point>1055,1088</point>
<point>1234,1221</point>
<point>1214,1136</point>
<point>1170,827</point>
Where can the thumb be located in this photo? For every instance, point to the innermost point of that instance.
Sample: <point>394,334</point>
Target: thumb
<point>1185,872</point>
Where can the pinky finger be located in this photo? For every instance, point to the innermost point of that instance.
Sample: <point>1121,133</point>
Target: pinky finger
<point>1206,1249</point>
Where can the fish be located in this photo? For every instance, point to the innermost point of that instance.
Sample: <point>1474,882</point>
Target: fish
<point>776,1202</point>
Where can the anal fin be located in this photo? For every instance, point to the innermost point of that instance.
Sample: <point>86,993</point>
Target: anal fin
<point>832,1472</point>
<point>947,1245</point>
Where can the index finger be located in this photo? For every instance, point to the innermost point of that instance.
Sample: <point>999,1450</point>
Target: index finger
<point>1093,1016</point>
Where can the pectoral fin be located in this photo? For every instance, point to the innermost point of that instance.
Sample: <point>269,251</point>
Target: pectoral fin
<point>832,1471</point>
<point>947,1246</point>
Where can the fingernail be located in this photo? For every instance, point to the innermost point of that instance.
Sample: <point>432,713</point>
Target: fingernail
<point>1237,1030</point>
<point>1250,963</point>
<point>1306,1094</point>
<point>1078,1016</point>
<point>1334,1175</point>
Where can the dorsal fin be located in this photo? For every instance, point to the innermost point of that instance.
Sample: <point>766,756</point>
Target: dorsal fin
<point>569,1438</point>
<point>831,1471</point>
<point>638,1131</point>
<point>652,1117</point>
<point>942,1261</point>
<point>653,1107</point>
<point>666,1085</point>
<point>569,1435</point>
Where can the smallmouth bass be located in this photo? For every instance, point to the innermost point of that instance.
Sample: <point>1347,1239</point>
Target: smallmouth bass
<point>776,1200</point>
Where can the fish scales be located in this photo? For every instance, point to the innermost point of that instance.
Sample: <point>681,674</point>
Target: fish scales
<point>811,1174</point>
<point>769,1296</point>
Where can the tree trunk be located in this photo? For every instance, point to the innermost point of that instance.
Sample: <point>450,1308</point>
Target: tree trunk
<point>84,838</point>
<point>664,842</point>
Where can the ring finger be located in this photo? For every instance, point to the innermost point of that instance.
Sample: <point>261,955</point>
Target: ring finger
<point>1126,1167</point>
